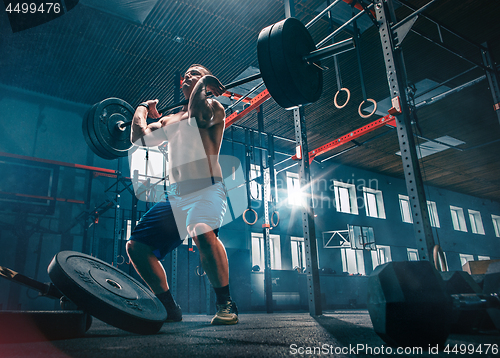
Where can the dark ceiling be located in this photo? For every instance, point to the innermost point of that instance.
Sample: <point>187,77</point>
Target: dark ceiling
<point>92,53</point>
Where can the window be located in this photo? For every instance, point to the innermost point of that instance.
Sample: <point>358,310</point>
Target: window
<point>258,251</point>
<point>406,215</point>
<point>381,255</point>
<point>412,254</point>
<point>256,186</point>
<point>374,203</point>
<point>464,258</point>
<point>458,218</point>
<point>496,224</point>
<point>298,252</point>
<point>345,198</point>
<point>353,261</point>
<point>150,163</point>
<point>404,204</point>
<point>361,237</point>
<point>476,222</point>
<point>433,214</point>
<point>293,189</point>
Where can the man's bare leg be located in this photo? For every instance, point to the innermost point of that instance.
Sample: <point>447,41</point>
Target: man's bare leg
<point>212,254</point>
<point>213,259</point>
<point>147,266</point>
<point>152,272</point>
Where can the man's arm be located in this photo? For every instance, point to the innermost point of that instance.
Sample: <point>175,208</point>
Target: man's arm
<point>142,133</point>
<point>207,112</point>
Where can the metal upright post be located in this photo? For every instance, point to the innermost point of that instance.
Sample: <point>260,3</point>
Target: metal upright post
<point>174,253</point>
<point>396,77</point>
<point>86,244</point>
<point>312,270</point>
<point>268,280</point>
<point>314,291</point>
<point>492,79</point>
<point>118,226</point>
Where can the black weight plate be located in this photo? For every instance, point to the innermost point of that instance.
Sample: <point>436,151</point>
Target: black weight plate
<point>107,293</point>
<point>289,42</point>
<point>32,326</point>
<point>89,134</point>
<point>267,71</point>
<point>108,114</point>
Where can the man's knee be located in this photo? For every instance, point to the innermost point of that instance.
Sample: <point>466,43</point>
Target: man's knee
<point>202,234</point>
<point>135,249</point>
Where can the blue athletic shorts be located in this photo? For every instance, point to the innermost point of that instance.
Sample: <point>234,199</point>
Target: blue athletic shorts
<point>164,226</point>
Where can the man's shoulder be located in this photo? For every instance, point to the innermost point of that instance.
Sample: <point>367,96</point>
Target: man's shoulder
<point>219,112</point>
<point>173,118</point>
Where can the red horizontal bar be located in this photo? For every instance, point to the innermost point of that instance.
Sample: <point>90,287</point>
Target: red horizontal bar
<point>63,164</point>
<point>387,120</point>
<point>236,96</point>
<point>254,103</point>
<point>42,197</point>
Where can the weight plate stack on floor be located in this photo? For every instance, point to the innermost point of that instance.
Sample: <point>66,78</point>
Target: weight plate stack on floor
<point>459,282</point>
<point>107,293</point>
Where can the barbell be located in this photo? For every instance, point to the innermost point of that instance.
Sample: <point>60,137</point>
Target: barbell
<point>410,305</point>
<point>97,289</point>
<point>289,66</point>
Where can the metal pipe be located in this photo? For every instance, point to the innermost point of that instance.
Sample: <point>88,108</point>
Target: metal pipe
<point>326,39</point>
<point>445,82</point>
<point>320,15</point>
<point>244,96</point>
<point>279,171</point>
<point>275,136</point>
<point>453,90</point>
<point>330,50</point>
<point>404,3</point>
<point>453,52</point>
<point>416,13</point>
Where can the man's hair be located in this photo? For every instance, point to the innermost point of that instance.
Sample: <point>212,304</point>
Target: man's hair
<point>197,65</point>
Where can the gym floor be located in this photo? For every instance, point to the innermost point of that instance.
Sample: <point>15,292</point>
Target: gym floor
<point>341,333</point>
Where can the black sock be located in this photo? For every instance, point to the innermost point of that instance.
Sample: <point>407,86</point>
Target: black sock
<point>167,300</point>
<point>222,294</point>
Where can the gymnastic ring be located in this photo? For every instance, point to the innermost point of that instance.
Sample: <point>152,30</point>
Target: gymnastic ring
<point>245,219</point>
<point>272,216</point>
<point>123,258</point>
<point>438,256</point>
<point>374,108</point>
<point>197,271</point>
<point>347,101</point>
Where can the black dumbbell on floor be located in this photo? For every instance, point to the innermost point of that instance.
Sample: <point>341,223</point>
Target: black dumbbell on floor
<point>410,307</point>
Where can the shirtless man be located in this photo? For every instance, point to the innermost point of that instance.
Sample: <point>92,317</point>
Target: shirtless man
<point>196,201</point>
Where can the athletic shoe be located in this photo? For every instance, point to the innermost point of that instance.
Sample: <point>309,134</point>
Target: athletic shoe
<point>227,313</point>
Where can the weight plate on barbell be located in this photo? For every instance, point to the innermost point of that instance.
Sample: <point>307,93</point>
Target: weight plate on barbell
<point>266,68</point>
<point>90,136</point>
<point>112,139</point>
<point>300,83</point>
<point>107,293</point>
